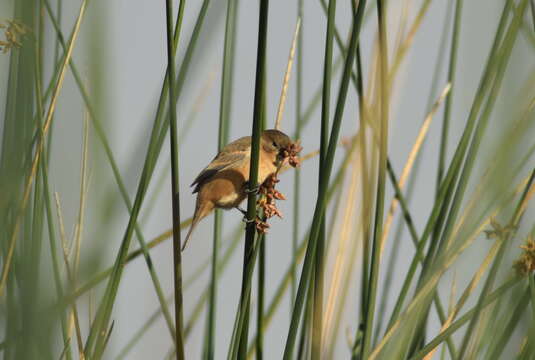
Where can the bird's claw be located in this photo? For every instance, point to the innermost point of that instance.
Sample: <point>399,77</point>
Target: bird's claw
<point>260,225</point>
<point>254,190</point>
<point>247,221</point>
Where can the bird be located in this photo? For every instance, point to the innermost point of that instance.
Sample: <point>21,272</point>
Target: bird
<point>223,184</point>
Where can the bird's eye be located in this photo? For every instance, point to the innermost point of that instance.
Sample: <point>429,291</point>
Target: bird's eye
<point>274,144</point>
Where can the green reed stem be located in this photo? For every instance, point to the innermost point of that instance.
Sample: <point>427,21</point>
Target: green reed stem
<point>239,348</point>
<point>472,152</point>
<point>414,236</point>
<point>503,55</point>
<point>305,339</point>
<point>454,167</point>
<point>317,314</point>
<point>485,84</point>
<point>286,281</point>
<point>224,125</point>
<point>13,235</point>
<point>532,292</point>
<point>298,126</point>
<point>155,145</point>
<point>515,219</point>
<point>456,325</point>
<point>381,180</point>
<point>203,298</point>
<point>43,172</point>
<point>412,177</point>
<point>449,98</point>
<point>366,199</point>
<point>96,121</point>
<point>261,296</point>
<point>175,173</point>
<point>447,226</point>
<point>499,345</point>
<point>321,200</point>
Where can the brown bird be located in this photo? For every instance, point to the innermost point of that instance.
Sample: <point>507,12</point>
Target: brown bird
<point>223,183</point>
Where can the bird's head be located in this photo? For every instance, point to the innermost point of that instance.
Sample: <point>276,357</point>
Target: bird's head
<point>274,141</point>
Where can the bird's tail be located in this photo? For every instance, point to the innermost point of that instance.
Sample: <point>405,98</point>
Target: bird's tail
<point>200,213</point>
<point>192,226</point>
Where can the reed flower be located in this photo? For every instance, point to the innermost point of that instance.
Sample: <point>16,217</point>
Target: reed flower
<point>14,32</point>
<point>499,231</point>
<point>525,265</point>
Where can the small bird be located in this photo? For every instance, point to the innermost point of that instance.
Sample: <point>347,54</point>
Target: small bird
<point>223,183</point>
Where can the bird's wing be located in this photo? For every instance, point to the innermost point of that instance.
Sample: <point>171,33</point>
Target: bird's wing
<point>223,161</point>
<point>227,161</point>
<point>242,144</point>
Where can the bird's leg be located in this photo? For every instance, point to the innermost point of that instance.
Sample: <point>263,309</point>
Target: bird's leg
<point>260,225</point>
<point>244,212</point>
<point>247,221</point>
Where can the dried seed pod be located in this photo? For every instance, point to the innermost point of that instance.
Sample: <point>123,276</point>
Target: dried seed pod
<point>261,226</point>
<point>290,154</point>
<point>278,195</point>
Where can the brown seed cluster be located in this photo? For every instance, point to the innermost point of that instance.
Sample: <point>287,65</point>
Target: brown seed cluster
<point>270,194</point>
<point>525,265</point>
<point>291,153</point>
<point>14,32</point>
<point>261,226</point>
<point>267,202</point>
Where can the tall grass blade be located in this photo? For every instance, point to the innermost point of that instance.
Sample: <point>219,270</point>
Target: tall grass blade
<point>39,148</point>
<point>449,99</point>
<point>496,294</point>
<point>95,338</point>
<point>238,348</point>
<point>455,164</point>
<point>515,219</point>
<point>298,126</point>
<point>317,301</point>
<point>321,200</point>
<point>507,331</point>
<point>175,189</point>
<point>70,277</point>
<point>381,177</point>
<point>286,281</point>
<point>224,125</point>
<point>97,124</point>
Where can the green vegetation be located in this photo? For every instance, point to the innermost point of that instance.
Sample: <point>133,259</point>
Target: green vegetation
<point>454,280</point>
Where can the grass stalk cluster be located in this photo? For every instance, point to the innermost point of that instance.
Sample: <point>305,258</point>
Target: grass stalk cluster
<point>349,287</point>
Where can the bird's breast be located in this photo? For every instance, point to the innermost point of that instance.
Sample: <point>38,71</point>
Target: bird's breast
<point>267,167</point>
<point>228,200</point>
